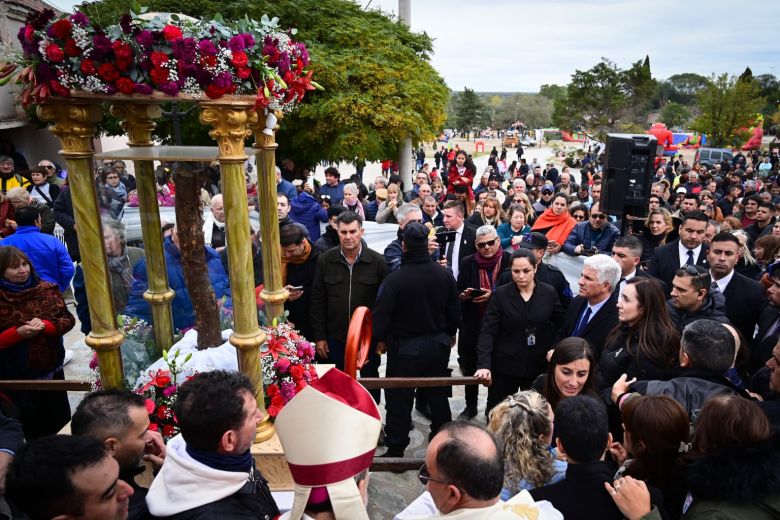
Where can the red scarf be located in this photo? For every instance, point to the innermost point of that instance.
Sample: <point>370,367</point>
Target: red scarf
<point>558,226</point>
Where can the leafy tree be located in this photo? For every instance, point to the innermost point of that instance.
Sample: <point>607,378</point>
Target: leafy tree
<point>680,88</point>
<point>606,99</point>
<point>470,111</point>
<point>534,110</point>
<point>675,114</point>
<point>552,92</point>
<point>770,90</point>
<point>379,84</point>
<point>726,105</point>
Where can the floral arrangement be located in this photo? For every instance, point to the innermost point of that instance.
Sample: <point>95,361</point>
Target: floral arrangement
<point>167,53</point>
<point>161,392</point>
<point>288,365</point>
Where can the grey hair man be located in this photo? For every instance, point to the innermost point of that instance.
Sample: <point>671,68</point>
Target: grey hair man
<point>408,212</point>
<point>593,313</point>
<point>20,198</point>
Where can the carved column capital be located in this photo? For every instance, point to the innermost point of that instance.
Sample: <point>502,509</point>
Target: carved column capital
<point>230,128</point>
<point>138,120</point>
<point>74,124</point>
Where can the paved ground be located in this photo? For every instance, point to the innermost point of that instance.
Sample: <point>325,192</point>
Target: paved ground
<point>389,493</point>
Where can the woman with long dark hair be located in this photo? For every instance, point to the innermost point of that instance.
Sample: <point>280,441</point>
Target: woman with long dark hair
<point>645,343</point>
<point>570,371</point>
<point>656,433</point>
<point>461,172</point>
<point>735,467</point>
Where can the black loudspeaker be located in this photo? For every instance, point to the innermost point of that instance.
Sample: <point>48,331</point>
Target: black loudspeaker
<point>628,170</point>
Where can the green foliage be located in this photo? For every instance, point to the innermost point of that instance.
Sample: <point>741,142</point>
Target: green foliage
<point>674,114</point>
<point>379,84</point>
<point>680,88</point>
<point>553,91</point>
<point>534,110</point>
<point>470,112</point>
<point>726,105</point>
<point>769,90</point>
<point>606,99</point>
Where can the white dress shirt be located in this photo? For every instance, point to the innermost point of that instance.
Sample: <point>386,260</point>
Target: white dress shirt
<point>683,252</point>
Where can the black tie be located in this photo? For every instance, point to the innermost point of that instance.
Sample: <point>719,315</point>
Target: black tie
<point>450,249</point>
<point>690,261</point>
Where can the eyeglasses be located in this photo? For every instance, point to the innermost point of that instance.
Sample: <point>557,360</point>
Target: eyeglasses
<point>489,243</point>
<point>425,477</point>
<point>49,167</point>
<point>599,216</point>
<point>579,216</point>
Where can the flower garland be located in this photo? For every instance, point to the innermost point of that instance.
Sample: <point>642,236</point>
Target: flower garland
<point>167,53</point>
<point>288,365</point>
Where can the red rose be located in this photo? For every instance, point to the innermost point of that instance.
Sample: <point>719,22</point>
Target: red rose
<point>162,379</point>
<point>71,49</point>
<point>54,53</point>
<point>240,59</point>
<point>171,32</point>
<point>125,85</point>
<point>162,412</point>
<point>296,371</point>
<point>158,58</point>
<point>168,430</point>
<point>122,50</point>
<point>150,406</point>
<point>277,401</point>
<point>273,411</point>
<point>214,92</point>
<point>300,385</point>
<point>244,72</point>
<point>209,61</point>
<point>88,67</point>
<point>109,74</point>
<point>272,390</point>
<point>153,426</point>
<point>61,29</point>
<point>159,76</point>
<point>59,88</point>
<point>29,31</point>
<point>123,65</point>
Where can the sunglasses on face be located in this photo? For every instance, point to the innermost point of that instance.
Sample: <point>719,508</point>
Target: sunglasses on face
<point>579,216</point>
<point>489,243</point>
<point>425,477</point>
<point>598,216</point>
<point>49,166</point>
<point>694,270</point>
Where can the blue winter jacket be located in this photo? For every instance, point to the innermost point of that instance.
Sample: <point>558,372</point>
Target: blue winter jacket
<point>287,188</point>
<point>585,235</point>
<point>49,257</point>
<point>305,210</point>
<point>183,313</point>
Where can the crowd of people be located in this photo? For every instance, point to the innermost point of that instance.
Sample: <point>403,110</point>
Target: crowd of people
<point>651,393</point>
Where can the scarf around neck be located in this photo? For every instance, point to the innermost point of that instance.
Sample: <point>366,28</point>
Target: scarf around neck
<point>296,261</point>
<point>238,463</point>
<point>558,226</point>
<point>488,269</point>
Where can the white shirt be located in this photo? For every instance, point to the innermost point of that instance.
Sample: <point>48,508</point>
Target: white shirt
<point>723,282</point>
<point>624,281</point>
<point>36,193</point>
<point>455,267</point>
<point>683,251</point>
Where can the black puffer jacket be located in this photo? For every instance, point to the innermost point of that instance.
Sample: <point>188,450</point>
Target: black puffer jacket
<point>713,308</point>
<point>740,482</point>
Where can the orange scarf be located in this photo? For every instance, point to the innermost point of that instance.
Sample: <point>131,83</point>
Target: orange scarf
<point>297,261</point>
<point>558,226</point>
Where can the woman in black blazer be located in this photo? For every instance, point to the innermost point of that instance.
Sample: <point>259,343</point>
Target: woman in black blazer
<point>517,330</point>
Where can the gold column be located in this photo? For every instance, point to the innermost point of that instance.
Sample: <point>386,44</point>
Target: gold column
<point>229,122</point>
<point>75,124</point>
<point>274,294</point>
<point>138,122</point>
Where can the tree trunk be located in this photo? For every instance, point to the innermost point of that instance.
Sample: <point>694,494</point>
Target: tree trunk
<point>189,224</point>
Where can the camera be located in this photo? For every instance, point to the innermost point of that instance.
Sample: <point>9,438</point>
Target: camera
<point>444,236</point>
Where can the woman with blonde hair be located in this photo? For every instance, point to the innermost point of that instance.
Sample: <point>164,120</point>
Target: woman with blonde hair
<point>491,214</point>
<point>523,425</point>
<point>385,213</point>
<point>747,264</point>
<point>658,224</point>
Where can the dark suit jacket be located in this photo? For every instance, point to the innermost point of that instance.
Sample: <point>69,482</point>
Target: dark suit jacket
<point>599,326</point>
<point>581,495</point>
<point>666,262</point>
<point>745,299</point>
<point>467,239</point>
<point>471,313</point>
<point>761,348</point>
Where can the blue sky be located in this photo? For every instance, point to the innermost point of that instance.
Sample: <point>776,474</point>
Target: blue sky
<point>518,45</point>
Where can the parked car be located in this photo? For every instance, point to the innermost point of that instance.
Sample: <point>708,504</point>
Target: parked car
<point>708,157</point>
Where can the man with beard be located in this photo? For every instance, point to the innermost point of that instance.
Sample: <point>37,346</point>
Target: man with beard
<point>119,420</point>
